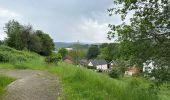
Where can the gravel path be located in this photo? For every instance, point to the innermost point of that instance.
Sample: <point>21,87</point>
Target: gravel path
<point>32,85</point>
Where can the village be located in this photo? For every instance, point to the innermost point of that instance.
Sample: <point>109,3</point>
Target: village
<point>102,65</point>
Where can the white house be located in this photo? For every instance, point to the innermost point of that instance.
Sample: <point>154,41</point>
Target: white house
<point>99,64</point>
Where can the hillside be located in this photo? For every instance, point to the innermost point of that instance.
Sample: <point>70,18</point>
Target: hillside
<point>81,83</point>
<point>63,45</point>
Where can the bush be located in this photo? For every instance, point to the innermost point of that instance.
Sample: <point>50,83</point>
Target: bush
<point>91,67</point>
<point>54,58</point>
<point>115,73</point>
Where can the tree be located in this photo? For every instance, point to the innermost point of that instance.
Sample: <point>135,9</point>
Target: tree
<point>14,31</point>
<point>109,52</point>
<point>63,52</point>
<point>93,52</point>
<point>147,34</point>
<point>77,53</point>
<point>47,44</point>
<point>24,37</point>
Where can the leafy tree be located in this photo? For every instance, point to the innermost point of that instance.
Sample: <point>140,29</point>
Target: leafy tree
<point>109,52</point>
<point>47,44</point>
<point>77,53</point>
<point>146,37</point>
<point>63,52</point>
<point>14,30</point>
<point>93,52</point>
<point>23,37</point>
<point>1,42</point>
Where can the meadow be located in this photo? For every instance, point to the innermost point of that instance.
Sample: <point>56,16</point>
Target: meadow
<point>84,84</point>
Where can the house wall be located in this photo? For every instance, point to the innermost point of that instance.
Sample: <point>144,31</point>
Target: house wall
<point>102,67</point>
<point>68,61</point>
<point>90,64</point>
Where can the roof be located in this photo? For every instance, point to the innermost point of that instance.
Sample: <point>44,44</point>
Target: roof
<point>84,61</point>
<point>68,57</point>
<point>113,62</point>
<point>96,62</point>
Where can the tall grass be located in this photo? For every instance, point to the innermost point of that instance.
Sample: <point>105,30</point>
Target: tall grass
<point>4,81</point>
<point>83,84</point>
<point>10,55</point>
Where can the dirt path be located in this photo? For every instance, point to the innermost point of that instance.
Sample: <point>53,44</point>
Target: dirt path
<point>32,85</point>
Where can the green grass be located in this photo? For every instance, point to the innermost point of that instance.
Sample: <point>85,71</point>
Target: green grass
<point>10,55</point>
<point>83,84</point>
<point>4,81</point>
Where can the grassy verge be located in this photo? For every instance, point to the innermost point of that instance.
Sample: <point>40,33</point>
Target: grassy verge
<point>4,81</point>
<point>80,83</point>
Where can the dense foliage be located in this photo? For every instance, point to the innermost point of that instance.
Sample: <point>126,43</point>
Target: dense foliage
<point>23,37</point>
<point>146,36</point>
<point>63,52</point>
<point>93,52</point>
<point>54,58</point>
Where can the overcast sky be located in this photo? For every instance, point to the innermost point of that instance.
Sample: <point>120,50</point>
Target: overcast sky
<point>63,20</point>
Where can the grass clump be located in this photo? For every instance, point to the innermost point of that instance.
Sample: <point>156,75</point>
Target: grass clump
<point>4,81</point>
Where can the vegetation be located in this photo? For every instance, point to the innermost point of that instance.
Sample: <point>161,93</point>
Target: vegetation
<point>146,36</point>
<point>93,52</point>
<point>63,52</point>
<point>4,81</point>
<point>10,55</point>
<point>77,53</point>
<point>53,58</point>
<point>23,37</point>
<point>81,83</point>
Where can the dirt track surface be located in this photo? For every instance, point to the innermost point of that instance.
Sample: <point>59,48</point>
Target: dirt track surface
<point>32,85</point>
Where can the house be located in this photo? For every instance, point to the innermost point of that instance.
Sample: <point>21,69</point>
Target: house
<point>134,70</point>
<point>69,49</point>
<point>99,64</point>
<point>68,60</point>
<point>112,64</point>
<point>84,62</point>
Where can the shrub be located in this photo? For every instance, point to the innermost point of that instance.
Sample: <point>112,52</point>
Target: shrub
<point>54,58</point>
<point>115,73</point>
<point>91,67</point>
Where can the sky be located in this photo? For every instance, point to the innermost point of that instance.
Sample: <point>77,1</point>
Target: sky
<point>64,20</point>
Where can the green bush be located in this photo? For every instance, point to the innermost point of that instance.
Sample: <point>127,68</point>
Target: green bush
<point>115,73</point>
<point>53,58</point>
<point>91,67</point>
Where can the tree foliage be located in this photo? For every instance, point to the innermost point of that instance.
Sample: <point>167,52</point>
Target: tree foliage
<point>23,37</point>
<point>109,52</point>
<point>63,52</point>
<point>93,52</point>
<point>146,37</point>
